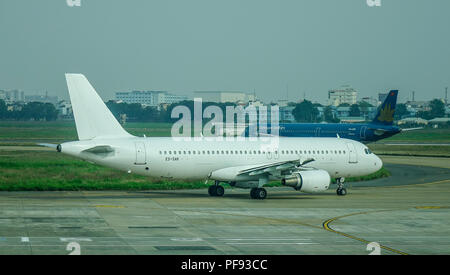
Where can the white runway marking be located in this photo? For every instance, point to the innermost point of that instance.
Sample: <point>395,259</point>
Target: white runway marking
<point>270,243</point>
<point>187,239</point>
<point>265,239</point>
<point>66,240</point>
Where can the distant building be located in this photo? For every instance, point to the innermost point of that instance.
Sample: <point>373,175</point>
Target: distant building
<point>149,98</point>
<point>224,96</point>
<point>372,101</point>
<point>345,94</point>
<point>42,98</point>
<point>286,114</point>
<point>413,120</point>
<point>65,109</point>
<point>12,96</point>
<point>439,121</point>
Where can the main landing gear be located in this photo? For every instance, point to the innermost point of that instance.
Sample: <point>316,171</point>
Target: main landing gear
<point>341,191</point>
<point>216,190</point>
<point>258,193</point>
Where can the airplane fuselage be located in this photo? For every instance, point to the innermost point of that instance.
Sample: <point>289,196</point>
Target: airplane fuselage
<point>197,160</point>
<point>359,132</point>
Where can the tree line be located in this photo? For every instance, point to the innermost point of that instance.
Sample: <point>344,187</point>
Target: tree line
<point>305,111</point>
<point>30,111</point>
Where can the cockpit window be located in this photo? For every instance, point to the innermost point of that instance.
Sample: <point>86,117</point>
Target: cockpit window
<point>367,151</point>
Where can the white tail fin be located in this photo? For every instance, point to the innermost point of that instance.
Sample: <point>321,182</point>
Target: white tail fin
<point>92,117</point>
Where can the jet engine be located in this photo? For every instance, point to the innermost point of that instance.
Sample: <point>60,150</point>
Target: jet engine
<point>308,181</point>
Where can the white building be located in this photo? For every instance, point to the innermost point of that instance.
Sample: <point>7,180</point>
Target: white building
<point>224,96</point>
<point>149,98</point>
<point>12,96</point>
<point>345,94</point>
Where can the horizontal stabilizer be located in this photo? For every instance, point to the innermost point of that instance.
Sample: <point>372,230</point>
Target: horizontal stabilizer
<point>48,145</point>
<point>103,149</point>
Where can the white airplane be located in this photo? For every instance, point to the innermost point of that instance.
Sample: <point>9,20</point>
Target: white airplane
<point>306,164</point>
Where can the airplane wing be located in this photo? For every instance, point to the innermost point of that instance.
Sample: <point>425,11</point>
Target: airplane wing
<point>411,129</point>
<point>378,131</point>
<point>274,168</point>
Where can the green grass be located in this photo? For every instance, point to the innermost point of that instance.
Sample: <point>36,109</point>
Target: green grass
<point>48,171</point>
<point>427,135</point>
<point>410,150</point>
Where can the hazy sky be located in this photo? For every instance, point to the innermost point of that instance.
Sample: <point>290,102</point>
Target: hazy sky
<point>309,46</point>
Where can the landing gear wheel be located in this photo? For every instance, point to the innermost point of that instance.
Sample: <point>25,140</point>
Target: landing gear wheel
<point>220,191</point>
<point>341,192</point>
<point>212,190</point>
<point>258,193</point>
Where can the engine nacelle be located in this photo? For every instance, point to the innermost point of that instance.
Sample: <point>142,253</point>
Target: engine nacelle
<point>314,181</point>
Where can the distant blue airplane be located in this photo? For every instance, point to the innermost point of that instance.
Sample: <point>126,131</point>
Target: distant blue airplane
<point>381,127</point>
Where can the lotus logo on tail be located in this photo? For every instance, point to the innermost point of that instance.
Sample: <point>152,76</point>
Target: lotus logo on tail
<point>386,114</point>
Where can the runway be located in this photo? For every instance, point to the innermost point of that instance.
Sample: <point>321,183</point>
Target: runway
<point>407,213</point>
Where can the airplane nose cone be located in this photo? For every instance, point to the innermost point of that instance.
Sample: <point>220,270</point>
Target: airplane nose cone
<point>378,163</point>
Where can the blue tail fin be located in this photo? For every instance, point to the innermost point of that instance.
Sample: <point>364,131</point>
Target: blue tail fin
<point>385,114</point>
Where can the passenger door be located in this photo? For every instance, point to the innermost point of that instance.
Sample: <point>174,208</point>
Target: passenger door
<point>363,132</point>
<point>317,132</point>
<point>353,157</point>
<point>141,155</point>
